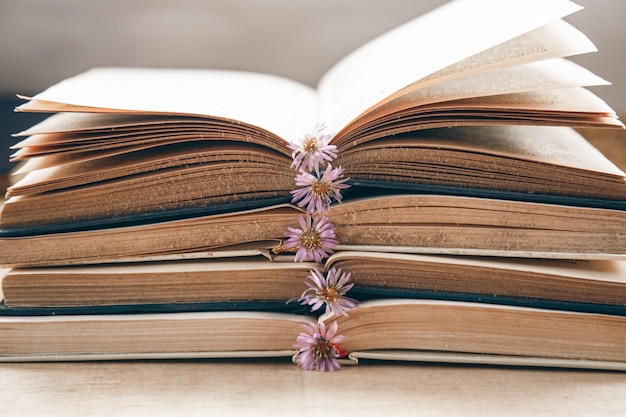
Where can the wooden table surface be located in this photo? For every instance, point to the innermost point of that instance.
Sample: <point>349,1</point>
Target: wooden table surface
<point>277,388</point>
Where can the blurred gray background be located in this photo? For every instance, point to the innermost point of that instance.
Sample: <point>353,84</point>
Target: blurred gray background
<point>45,41</point>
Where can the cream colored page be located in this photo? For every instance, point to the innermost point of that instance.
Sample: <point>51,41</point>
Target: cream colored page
<point>521,60</point>
<point>77,122</point>
<point>281,106</point>
<point>574,99</point>
<point>555,145</point>
<point>558,39</point>
<point>432,42</point>
<point>544,75</point>
<point>594,270</point>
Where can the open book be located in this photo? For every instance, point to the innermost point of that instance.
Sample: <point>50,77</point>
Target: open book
<point>254,282</point>
<point>132,142</point>
<point>423,330</point>
<point>434,224</point>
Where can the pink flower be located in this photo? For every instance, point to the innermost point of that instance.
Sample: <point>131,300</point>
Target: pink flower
<point>318,347</point>
<point>319,190</point>
<point>315,239</point>
<point>330,290</point>
<point>313,150</point>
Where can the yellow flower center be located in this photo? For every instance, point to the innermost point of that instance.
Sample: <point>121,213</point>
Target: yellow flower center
<point>323,349</point>
<point>310,239</point>
<point>329,294</point>
<point>309,144</point>
<point>320,188</point>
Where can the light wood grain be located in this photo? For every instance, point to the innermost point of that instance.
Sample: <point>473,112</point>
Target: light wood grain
<point>280,388</point>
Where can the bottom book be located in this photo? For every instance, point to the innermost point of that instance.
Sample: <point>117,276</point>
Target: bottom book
<point>399,329</point>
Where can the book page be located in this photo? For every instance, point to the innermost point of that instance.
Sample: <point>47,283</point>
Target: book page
<point>594,270</point>
<point>555,145</point>
<point>558,39</point>
<point>430,43</point>
<point>85,122</point>
<point>144,161</point>
<point>563,100</point>
<point>543,75</point>
<point>67,336</point>
<point>281,106</point>
<point>434,325</point>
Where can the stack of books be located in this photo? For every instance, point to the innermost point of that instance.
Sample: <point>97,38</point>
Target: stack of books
<point>154,213</point>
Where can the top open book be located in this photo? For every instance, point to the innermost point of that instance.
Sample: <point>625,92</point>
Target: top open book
<point>134,141</point>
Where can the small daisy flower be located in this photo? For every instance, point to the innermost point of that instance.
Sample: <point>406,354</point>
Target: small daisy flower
<point>318,347</point>
<point>313,150</point>
<point>315,239</point>
<point>329,290</point>
<point>319,189</point>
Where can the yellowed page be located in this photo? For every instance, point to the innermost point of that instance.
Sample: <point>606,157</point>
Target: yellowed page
<point>557,39</point>
<point>548,144</point>
<point>594,270</point>
<point>430,43</point>
<point>79,122</point>
<point>281,106</point>
<point>434,325</point>
<point>175,333</point>
<point>544,75</point>
<point>238,263</point>
<point>574,99</point>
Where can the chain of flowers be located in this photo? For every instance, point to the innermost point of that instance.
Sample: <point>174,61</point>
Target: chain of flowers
<point>319,185</point>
